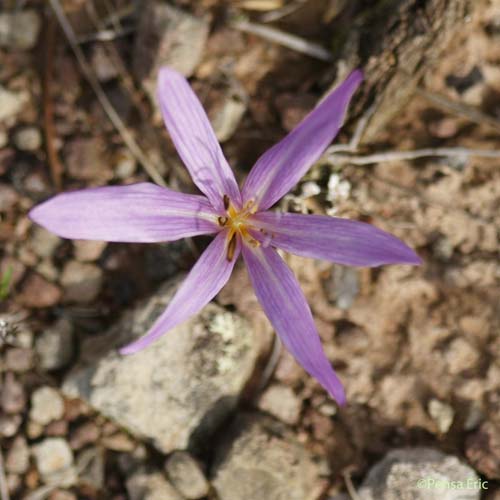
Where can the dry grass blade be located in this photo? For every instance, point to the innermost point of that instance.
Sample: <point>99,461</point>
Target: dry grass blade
<point>135,95</point>
<point>350,487</point>
<point>387,156</point>
<point>276,15</point>
<point>285,39</point>
<point>113,116</point>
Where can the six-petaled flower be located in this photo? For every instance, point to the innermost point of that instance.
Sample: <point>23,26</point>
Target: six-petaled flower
<point>241,221</point>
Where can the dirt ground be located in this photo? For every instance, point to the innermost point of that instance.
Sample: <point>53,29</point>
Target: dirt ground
<point>417,348</point>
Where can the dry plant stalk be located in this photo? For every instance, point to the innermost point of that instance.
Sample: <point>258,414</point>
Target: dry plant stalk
<point>108,108</point>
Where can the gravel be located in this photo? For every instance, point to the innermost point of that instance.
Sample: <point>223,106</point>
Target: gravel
<point>46,405</point>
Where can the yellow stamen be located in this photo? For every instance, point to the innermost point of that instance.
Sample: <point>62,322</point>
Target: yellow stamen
<point>231,247</point>
<point>238,223</point>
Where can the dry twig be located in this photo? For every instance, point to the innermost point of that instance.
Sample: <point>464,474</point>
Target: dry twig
<point>386,156</point>
<point>292,42</point>
<point>136,96</point>
<point>110,111</point>
<point>56,168</point>
<point>350,487</point>
<point>277,14</point>
<point>271,364</point>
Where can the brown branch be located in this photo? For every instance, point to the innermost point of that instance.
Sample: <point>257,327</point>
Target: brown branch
<point>55,165</point>
<point>287,40</point>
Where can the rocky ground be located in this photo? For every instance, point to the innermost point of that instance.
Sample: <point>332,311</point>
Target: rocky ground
<point>216,410</point>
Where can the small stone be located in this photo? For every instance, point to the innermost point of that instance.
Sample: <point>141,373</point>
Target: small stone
<point>9,425</point>
<point>167,36</point>
<point>151,486</point>
<point>103,65</point>
<point>444,128</point>
<point>57,428</point>
<point>118,442</point>
<point>482,449</point>
<point>84,435</point>
<point>186,475</point>
<point>88,250</point>
<point>44,242</point>
<point>47,269</point>
<point>46,405</point>
<point>19,359</point>
<point>54,460</point>
<point>260,459</point>
<point>419,474</point>
<point>125,164</point>
<point>14,482</point>
<point>82,282</point>
<point>55,345</point>
<point>19,29</point>
<point>12,396</point>
<point>27,256</point>
<point>90,464</point>
<point>28,139</point>
<point>17,460</point>
<point>474,326</point>
<point>34,430</point>
<point>38,292</point>
<point>228,112</point>
<point>461,356</point>
<point>86,159</point>
<point>288,370</point>
<point>8,197</point>
<point>343,286</point>
<point>281,402</point>
<point>11,103</point>
<point>442,414</point>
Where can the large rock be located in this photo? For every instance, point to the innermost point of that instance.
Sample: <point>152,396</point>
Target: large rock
<point>178,390</point>
<point>259,459</point>
<point>420,474</point>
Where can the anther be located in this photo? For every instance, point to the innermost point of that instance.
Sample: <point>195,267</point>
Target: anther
<point>222,221</point>
<point>231,247</point>
<point>226,201</point>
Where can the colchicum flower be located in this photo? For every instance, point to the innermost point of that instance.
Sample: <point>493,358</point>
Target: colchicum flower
<point>240,220</point>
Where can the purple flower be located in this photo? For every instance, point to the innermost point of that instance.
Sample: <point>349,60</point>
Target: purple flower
<point>239,219</point>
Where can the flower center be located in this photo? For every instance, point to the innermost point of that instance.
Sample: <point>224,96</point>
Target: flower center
<point>237,223</point>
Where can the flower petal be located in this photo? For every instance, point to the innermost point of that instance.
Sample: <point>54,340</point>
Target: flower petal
<point>338,240</point>
<point>281,167</point>
<point>195,139</point>
<point>136,213</point>
<point>286,307</point>
<point>202,284</point>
